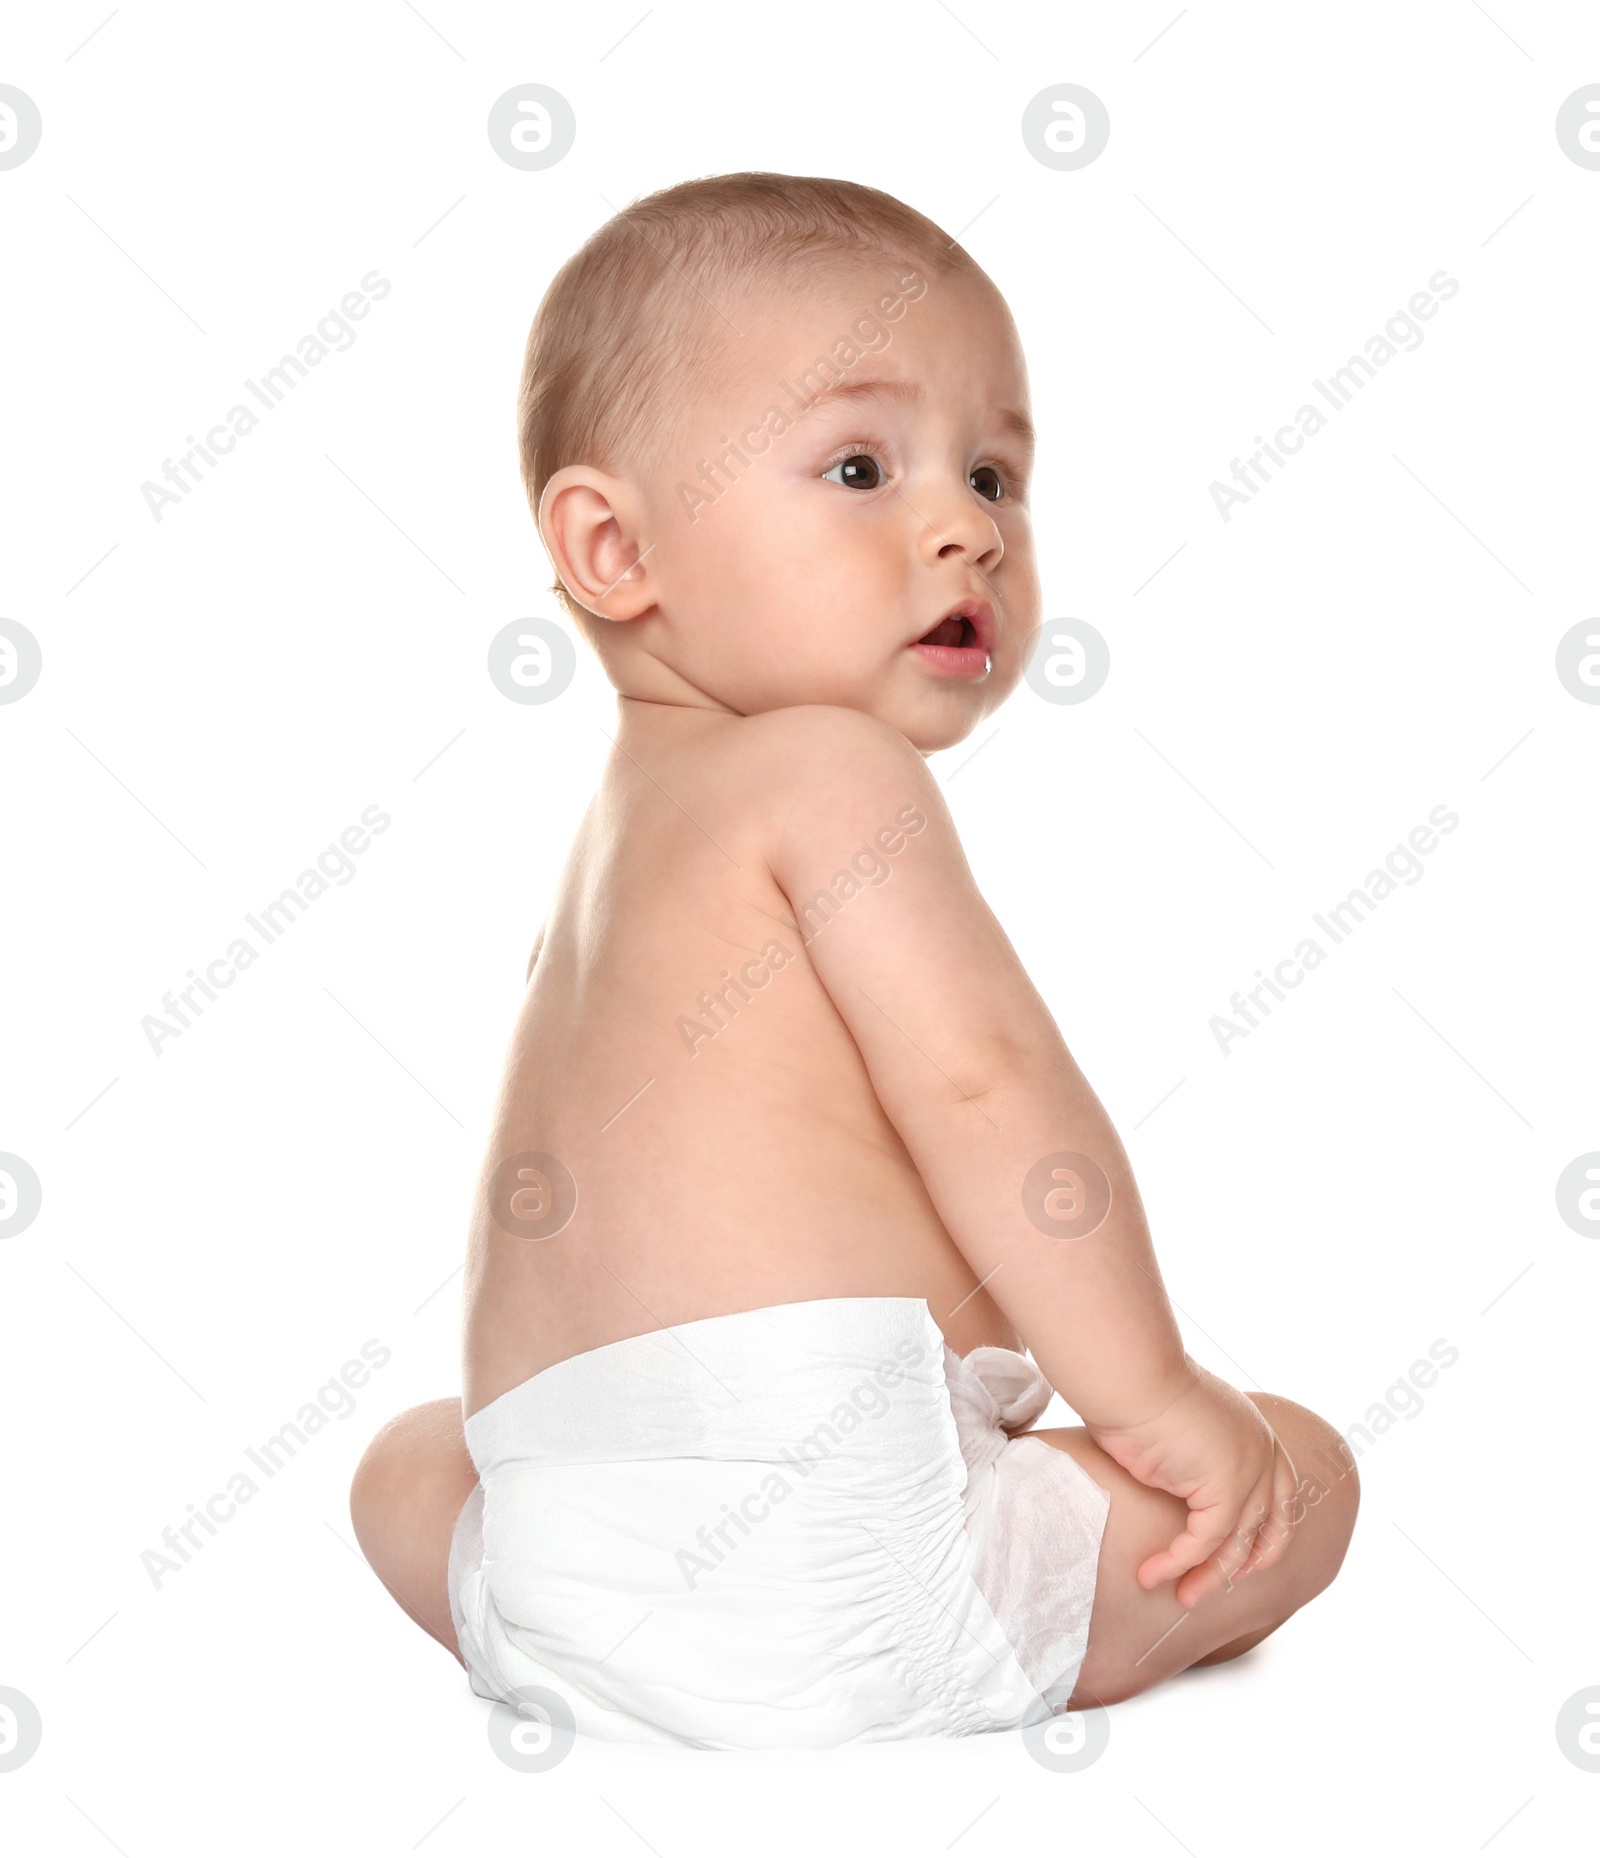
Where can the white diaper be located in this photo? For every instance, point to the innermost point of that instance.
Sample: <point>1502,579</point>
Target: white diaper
<point>792,1527</point>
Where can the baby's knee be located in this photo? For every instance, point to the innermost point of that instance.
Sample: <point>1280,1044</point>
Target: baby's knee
<point>378,1471</point>
<point>409,1453</point>
<point>386,1451</point>
<point>1327,1487</point>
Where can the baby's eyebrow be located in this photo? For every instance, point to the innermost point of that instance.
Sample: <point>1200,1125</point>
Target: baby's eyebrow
<point>911,393</point>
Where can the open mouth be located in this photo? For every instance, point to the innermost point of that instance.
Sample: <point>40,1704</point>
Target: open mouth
<point>957,630</point>
<point>959,644</point>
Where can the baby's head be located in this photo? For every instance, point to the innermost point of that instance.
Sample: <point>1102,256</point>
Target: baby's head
<point>775,433</point>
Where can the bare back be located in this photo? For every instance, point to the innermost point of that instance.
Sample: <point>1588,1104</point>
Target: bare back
<point>678,1056</point>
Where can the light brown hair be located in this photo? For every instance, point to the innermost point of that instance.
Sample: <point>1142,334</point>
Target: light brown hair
<point>629,329</point>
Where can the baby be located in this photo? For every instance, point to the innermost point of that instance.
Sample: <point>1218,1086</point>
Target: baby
<point>790,1163</point>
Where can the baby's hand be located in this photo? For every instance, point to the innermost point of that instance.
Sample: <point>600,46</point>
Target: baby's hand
<point>1212,1447</point>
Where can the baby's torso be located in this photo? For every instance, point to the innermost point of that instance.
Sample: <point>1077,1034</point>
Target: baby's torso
<point>685,1127</point>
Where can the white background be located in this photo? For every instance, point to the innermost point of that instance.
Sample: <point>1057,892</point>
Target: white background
<point>224,691</point>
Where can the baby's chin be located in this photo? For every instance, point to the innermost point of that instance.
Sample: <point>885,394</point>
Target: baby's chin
<point>929,735</point>
<point>931,715</point>
<point>929,722</point>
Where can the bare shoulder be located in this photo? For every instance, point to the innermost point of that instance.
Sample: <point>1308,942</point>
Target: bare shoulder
<point>820,770</point>
<point>859,840</point>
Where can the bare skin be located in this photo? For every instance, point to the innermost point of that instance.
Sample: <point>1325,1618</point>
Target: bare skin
<point>770,1085</point>
<point>742,1214</point>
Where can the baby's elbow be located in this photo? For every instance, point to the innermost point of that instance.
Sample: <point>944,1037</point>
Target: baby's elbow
<point>986,1077</point>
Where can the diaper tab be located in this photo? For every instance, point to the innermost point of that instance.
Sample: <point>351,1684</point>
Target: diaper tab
<point>1035,1517</point>
<point>1016,1386</point>
<point>994,1394</point>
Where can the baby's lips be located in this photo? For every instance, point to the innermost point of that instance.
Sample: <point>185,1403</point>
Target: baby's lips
<point>977,612</point>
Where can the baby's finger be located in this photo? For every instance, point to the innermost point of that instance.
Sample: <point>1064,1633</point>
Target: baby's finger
<point>1207,1531</point>
<point>1233,1551</point>
<point>1198,1582</point>
<point>1277,1531</point>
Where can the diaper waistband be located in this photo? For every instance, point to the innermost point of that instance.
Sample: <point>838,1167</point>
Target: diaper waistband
<point>757,1384</point>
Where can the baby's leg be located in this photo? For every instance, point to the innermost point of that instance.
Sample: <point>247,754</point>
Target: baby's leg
<point>1137,1638</point>
<point>404,1500</point>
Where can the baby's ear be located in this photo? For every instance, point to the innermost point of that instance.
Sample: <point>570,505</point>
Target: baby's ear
<point>586,522</point>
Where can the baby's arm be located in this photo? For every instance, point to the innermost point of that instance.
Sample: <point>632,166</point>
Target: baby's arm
<point>972,1071</point>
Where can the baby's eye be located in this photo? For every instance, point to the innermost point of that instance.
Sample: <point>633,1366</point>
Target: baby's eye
<point>987,473</point>
<point>861,471</point>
